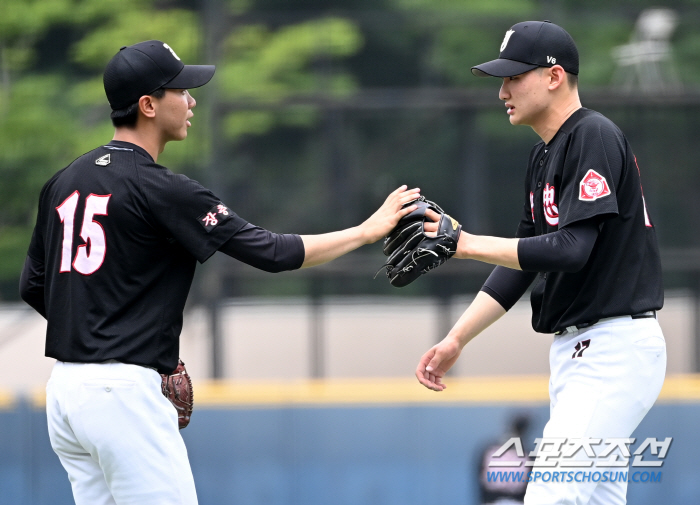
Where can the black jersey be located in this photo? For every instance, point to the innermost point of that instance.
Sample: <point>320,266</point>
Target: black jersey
<point>588,171</point>
<point>119,236</point>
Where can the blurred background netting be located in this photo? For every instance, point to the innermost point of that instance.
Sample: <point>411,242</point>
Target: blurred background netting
<point>317,111</point>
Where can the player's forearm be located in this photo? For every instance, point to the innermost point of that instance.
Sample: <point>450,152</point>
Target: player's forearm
<point>323,248</point>
<point>481,313</point>
<point>493,250</point>
<point>319,249</point>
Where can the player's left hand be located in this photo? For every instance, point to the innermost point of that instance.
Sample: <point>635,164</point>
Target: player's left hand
<point>435,363</point>
<point>379,224</point>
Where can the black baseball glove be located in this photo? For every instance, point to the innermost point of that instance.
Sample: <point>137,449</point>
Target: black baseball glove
<point>177,387</point>
<point>411,252</point>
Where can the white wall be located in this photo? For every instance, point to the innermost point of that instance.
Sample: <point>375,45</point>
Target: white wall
<point>363,337</point>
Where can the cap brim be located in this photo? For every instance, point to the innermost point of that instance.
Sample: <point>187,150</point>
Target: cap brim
<point>191,76</point>
<point>502,68</point>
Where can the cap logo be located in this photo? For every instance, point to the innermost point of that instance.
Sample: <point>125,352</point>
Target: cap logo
<point>171,50</point>
<point>506,39</point>
<point>552,60</point>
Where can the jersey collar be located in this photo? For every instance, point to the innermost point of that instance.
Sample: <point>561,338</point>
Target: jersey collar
<point>568,124</point>
<point>120,144</point>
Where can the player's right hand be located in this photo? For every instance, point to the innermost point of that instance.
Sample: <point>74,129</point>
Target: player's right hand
<point>379,224</point>
<point>435,363</point>
<point>432,220</point>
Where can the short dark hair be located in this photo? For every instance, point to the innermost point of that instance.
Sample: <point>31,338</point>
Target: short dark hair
<point>128,115</point>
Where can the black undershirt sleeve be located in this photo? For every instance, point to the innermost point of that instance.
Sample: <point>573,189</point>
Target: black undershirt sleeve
<point>260,248</point>
<point>565,250</point>
<point>31,285</point>
<point>506,285</point>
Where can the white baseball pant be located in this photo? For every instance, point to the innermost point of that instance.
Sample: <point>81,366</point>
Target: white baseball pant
<point>601,389</point>
<point>117,435</point>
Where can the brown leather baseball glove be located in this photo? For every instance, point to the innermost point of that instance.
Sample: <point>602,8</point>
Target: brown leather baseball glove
<point>177,387</point>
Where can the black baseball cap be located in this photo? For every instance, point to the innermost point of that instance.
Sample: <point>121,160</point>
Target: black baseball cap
<point>145,67</point>
<point>529,45</point>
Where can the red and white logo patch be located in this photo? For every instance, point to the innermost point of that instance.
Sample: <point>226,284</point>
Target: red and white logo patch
<point>551,211</point>
<point>593,186</point>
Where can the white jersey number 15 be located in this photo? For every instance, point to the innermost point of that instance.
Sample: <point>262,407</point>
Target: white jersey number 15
<point>91,232</point>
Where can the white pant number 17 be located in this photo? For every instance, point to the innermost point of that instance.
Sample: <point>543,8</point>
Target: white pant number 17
<point>91,232</point>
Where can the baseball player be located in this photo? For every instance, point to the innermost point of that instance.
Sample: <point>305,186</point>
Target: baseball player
<point>498,492</point>
<point>587,241</point>
<point>110,265</point>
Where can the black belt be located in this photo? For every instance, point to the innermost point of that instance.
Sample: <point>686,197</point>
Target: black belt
<point>641,315</point>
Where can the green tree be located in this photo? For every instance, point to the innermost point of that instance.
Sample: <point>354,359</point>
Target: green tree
<point>53,52</point>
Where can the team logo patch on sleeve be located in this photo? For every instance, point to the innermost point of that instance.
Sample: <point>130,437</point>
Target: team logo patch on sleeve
<point>214,217</point>
<point>593,186</point>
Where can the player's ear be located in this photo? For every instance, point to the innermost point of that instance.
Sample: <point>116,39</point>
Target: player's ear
<point>557,76</point>
<point>147,106</point>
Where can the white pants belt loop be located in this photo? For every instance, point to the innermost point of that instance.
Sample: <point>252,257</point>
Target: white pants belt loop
<point>641,315</point>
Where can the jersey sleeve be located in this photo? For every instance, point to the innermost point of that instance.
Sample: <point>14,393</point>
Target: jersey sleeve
<point>33,276</point>
<point>32,282</point>
<point>262,249</point>
<point>592,169</point>
<point>36,245</point>
<point>190,213</point>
